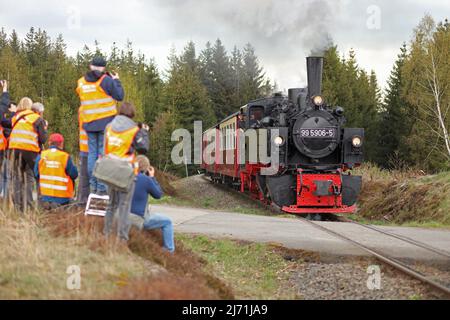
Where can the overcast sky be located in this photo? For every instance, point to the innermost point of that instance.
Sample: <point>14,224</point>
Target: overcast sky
<point>282,31</point>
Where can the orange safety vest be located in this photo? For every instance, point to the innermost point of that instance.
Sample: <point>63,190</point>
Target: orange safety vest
<point>23,136</point>
<point>119,145</point>
<point>83,135</point>
<point>53,179</point>
<point>95,103</point>
<point>3,141</point>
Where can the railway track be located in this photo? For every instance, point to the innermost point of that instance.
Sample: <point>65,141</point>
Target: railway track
<point>385,258</point>
<point>393,262</point>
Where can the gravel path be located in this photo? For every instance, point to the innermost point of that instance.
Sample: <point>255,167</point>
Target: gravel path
<point>349,280</point>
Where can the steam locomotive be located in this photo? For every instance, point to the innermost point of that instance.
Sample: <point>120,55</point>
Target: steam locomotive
<point>313,151</point>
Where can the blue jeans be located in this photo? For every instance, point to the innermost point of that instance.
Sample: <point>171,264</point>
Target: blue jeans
<point>159,221</point>
<point>95,143</point>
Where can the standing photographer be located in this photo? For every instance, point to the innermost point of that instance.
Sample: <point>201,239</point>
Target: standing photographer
<point>123,139</point>
<point>99,92</point>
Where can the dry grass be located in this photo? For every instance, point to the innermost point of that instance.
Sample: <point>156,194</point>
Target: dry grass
<point>36,251</point>
<point>405,197</point>
<point>33,263</point>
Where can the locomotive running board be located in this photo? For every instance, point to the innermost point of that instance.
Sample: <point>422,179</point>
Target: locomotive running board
<point>343,210</point>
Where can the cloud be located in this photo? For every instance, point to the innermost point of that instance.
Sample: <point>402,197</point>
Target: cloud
<point>283,32</point>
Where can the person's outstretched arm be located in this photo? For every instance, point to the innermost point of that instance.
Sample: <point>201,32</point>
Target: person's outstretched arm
<point>5,100</point>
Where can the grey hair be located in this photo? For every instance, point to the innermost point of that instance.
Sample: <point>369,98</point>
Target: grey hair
<point>37,107</point>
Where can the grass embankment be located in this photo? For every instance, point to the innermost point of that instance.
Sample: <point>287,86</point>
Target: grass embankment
<point>36,251</point>
<point>406,198</point>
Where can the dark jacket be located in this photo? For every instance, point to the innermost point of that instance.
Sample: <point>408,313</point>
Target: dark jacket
<point>4,104</point>
<point>113,88</point>
<point>145,186</point>
<point>141,141</point>
<point>39,127</point>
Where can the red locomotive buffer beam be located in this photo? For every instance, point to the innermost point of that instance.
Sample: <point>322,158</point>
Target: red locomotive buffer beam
<point>319,193</point>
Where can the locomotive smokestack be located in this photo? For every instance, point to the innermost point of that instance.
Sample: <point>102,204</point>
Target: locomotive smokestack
<point>314,67</point>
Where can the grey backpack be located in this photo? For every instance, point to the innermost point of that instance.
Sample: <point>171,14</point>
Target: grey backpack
<point>115,173</point>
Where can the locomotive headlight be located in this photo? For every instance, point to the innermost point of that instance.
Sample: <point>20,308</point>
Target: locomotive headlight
<point>318,100</point>
<point>278,141</point>
<point>357,142</point>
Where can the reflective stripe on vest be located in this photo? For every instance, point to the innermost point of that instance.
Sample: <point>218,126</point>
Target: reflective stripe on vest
<point>53,179</point>
<point>95,103</point>
<point>23,136</point>
<point>84,147</point>
<point>3,141</point>
<point>118,144</point>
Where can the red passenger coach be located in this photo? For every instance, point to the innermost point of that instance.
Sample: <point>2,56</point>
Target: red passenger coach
<point>309,150</point>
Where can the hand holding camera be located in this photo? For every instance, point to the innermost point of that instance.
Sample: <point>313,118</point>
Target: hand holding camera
<point>143,126</point>
<point>151,172</point>
<point>4,85</point>
<point>114,75</point>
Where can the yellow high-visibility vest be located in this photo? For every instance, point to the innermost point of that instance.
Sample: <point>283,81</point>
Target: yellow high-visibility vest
<point>83,135</point>
<point>3,141</point>
<point>95,103</point>
<point>24,136</point>
<point>119,144</point>
<point>53,179</point>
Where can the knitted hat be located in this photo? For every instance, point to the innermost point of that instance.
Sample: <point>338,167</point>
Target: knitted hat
<point>98,62</point>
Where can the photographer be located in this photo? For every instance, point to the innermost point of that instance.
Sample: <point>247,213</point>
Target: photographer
<point>123,139</point>
<point>99,92</point>
<point>140,217</point>
<point>27,137</point>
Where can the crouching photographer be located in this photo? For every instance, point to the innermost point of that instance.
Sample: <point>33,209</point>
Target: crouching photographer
<point>146,184</point>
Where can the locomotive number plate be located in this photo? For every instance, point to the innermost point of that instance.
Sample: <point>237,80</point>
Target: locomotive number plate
<point>318,133</point>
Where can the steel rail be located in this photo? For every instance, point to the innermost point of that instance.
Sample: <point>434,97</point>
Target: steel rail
<point>402,238</point>
<point>388,260</point>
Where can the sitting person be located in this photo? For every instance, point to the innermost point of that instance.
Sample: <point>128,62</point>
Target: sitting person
<point>56,174</point>
<point>146,184</point>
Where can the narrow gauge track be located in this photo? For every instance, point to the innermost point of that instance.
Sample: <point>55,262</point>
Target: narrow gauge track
<point>395,263</point>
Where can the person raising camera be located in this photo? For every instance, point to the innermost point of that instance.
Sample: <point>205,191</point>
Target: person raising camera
<point>146,184</point>
<point>99,92</point>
